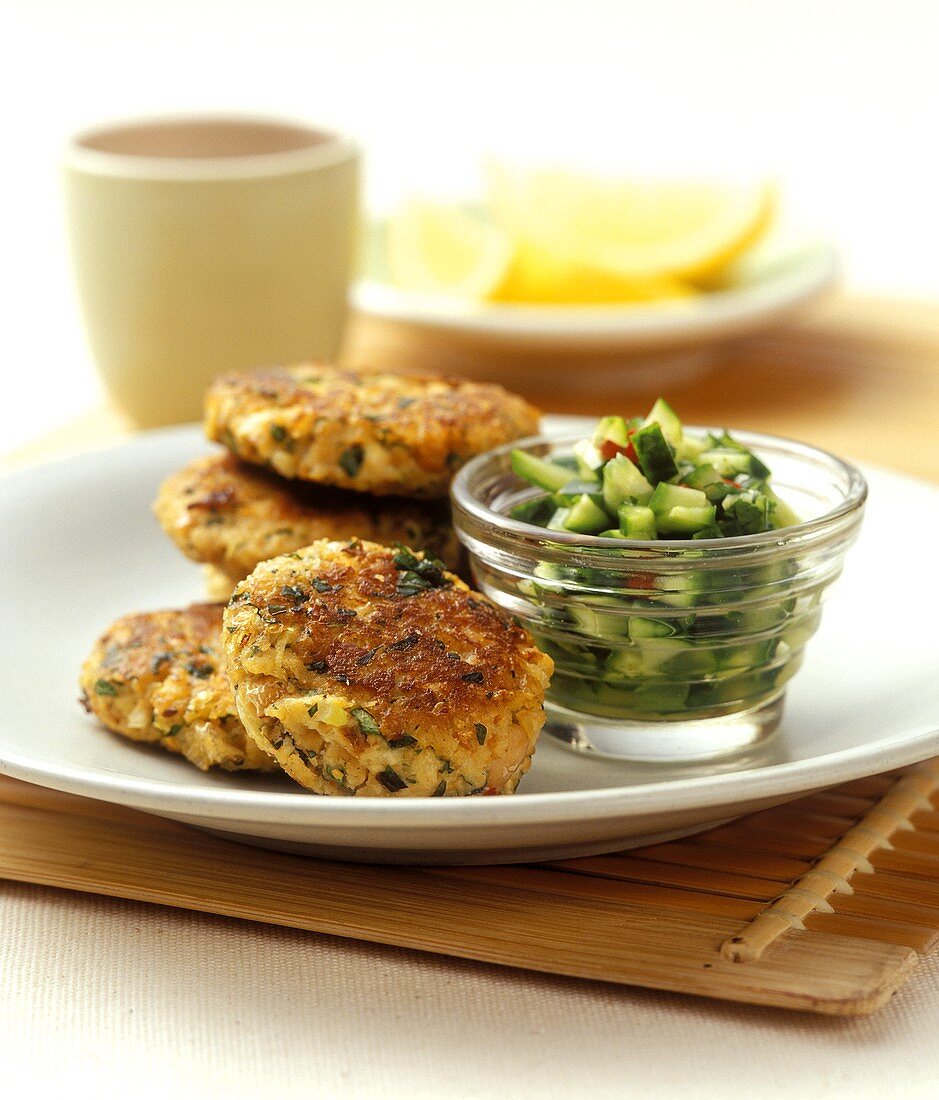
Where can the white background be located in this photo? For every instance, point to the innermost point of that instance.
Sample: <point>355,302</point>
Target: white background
<point>837,98</point>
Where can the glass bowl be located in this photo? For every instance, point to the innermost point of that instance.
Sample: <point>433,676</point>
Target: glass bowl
<point>667,649</point>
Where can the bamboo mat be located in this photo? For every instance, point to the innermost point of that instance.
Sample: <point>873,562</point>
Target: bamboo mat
<point>821,905</point>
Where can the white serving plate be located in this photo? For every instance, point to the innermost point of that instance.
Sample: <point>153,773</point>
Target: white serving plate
<point>79,547</point>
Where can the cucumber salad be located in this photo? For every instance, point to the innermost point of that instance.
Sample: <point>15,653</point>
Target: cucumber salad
<point>676,632</point>
<point>647,479</point>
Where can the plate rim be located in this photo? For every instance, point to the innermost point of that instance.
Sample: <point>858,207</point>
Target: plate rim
<point>633,801</point>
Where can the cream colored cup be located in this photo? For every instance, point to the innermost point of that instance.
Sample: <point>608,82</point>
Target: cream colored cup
<point>203,245</point>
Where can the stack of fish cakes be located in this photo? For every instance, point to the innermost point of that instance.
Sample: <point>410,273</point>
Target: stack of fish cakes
<point>326,471</point>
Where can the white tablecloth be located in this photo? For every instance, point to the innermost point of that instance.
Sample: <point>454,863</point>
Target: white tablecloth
<point>106,998</point>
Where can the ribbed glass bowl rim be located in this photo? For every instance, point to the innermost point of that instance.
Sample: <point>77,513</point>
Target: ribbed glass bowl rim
<point>517,531</point>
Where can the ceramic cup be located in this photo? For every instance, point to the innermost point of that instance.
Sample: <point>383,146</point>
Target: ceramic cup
<point>202,245</point>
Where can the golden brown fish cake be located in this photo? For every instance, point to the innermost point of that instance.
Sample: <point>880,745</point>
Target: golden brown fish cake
<point>372,431</point>
<point>372,671</point>
<point>227,514</point>
<point>159,676</point>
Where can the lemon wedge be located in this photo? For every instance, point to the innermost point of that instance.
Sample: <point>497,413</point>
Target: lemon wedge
<point>438,249</point>
<point>635,232</point>
<point>537,276</point>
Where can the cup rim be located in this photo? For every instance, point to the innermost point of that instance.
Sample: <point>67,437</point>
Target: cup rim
<point>776,540</point>
<point>332,148</point>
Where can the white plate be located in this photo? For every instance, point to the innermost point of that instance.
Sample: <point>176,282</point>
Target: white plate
<point>80,547</point>
<point>778,278</point>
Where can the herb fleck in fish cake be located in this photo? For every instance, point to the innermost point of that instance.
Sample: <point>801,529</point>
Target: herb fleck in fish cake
<point>230,516</point>
<point>372,431</point>
<point>372,671</point>
<point>159,677</point>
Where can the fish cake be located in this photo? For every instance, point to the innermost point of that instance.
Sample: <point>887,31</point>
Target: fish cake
<point>371,431</point>
<point>231,516</point>
<point>370,671</point>
<point>159,676</point>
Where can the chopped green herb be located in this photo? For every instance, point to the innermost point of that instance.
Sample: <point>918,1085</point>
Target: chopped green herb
<point>200,671</point>
<point>481,733</point>
<point>324,586</point>
<point>410,583</point>
<point>278,432</point>
<point>334,774</point>
<point>418,574</point>
<point>391,781</point>
<point>296,594</point>
<point>440,790</point>
<point>312,710</point>
<point>472,677</point>
<point>351,459</point>
<point>406,642</point>
<point>104,687</point>
<point>405,558</point>
<point>276,609</point>
<point>431,570</point>
<point>367,723</point>
<point>316,666</point>
<point>403,402</point>
<point>160,659</point>
<point>367,656</point>
<point>173,730</point>
<point>402,742</point>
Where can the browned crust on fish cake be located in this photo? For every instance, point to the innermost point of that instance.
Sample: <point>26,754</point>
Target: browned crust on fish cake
<point>159,676</point>
<point>223,512</point>
<point>371,431</point>
<point>344,674</point>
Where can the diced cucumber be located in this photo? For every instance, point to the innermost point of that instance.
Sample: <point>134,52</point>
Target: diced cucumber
<point>677,657</point>
<point>636,521</point>
<point>574,490</point>
<point>781,514</point>
<point>702,476</point>
<point>625,661</point>
<point>751,656</point>
<point>665,497</point>
<point>540,472</point>
<point>586,517</point>
<point>659,644</point>
<point>728,462</point>
<point>558,522</point>
<point>640,627</point>
<point>685,521</point>
<point>689,448</point>
<point>538,511</point>
<point>589,460</point>
<point>656,459</point>
<point>664,415</point>
<point>680,589</point>
<point>623,483</point>
<point>661,697</point>
<point>613,428</point>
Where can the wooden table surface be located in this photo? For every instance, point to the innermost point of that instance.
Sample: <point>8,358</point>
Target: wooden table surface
<point>859,376</point>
